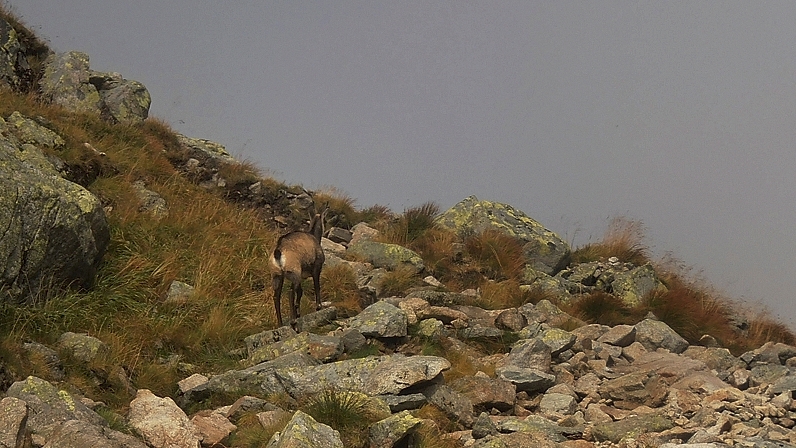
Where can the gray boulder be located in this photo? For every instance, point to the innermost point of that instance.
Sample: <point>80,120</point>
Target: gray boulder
<point>381,320</point>
<point>55,231</point>
<point>125,101</point>
<point>654,334</point>
<point>207,152</point>
<point>525,379</point>
<point>402,372</point>
<point>388,256</point>
<point>69,82</point>
<point>487,393</point>
<point>80,434</point>
<point>161,422</point>
<point>322,348</point>
<point>48,405</point>
<point>544,250</point>
<point>302,431</point>
<point>13,417</point>
<point>633,285</point>
<point>630,427</point>
<point>10,55</point>
<point>82,347</point>
<point>393,429</point>
<point>456,406</point>
<point>31,132</point>
<point>65,82</point>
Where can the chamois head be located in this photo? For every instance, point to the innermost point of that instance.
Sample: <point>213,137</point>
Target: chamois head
<point>298,255</point>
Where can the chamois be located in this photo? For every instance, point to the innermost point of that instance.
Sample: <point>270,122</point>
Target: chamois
<point>298,255</point>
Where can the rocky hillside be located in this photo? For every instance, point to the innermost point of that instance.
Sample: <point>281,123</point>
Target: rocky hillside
<point>136,306</point>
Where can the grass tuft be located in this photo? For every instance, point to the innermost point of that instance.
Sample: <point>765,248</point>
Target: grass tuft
<point>499,256</point>
<point>624,239</point>
<point>346,411</point>
<point>340,287</point>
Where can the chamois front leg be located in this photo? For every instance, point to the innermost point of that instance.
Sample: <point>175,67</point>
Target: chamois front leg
<point>278,281</point>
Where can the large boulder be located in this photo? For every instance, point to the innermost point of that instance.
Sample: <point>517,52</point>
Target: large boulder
<point>302,431</point>
<point>544,250</point>
<point>388,256</point>
<point>69,82</point>
<point>54,231</point>
<point>10,55</point>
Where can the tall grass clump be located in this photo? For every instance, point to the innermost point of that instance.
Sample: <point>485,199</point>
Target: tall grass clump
<point>340,287</point>
<point>602,308</point>
<point>624,239</point>
<point>349,412</point>
<point>411,225</point>
<point>499,256</point>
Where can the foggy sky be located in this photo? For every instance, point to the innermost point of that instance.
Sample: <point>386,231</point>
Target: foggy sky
<point>677,114</point>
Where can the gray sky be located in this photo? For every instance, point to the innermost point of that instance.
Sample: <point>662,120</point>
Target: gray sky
<point>677,114</point>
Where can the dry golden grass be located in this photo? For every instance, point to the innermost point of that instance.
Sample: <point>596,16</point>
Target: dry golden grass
<point>405,229</point>
<point>601,308</point>
<point>624,239</point>
<point>499,256</point>
<point>252,434</point>
<point>397,281</point>
<point>339,286</point>
<point>502,295</point>
<point>340,203</point>
<point>437,247</point>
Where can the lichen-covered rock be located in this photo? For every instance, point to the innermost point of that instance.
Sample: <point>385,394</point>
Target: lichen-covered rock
<point>530,353</point>
<point>126,101</point>
<point>630,427</point>
<point>558,340</point>
<point>544,250</point>
<point>322,348</point>
<point>69,82</point>
<point>256,380</point>
<point>161,422</point>
<point>401,372</point>
<point>302,431</point>
<point>80,434</point>
<point>633,285</point>
<point>536,424</point>
<point>393,429</point>
<point>525,379</point>
<point>555,403</point>
<point>82,347</point>
<point>49,405</point>
<point>381,320</point>
<point>13,416</point>
<point>206,151</point>
<point>654,334</point>
<point>29,131</point>
<point>150,201</point>
<point>55,231</point>
<point>65,82</point>
<point>11,56</point>
<point>386,255</point>
<point>456,406</point>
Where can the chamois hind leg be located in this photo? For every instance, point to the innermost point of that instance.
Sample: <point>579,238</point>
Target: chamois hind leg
<point>316,282</point>
<point>278,281</point>
<point>294,305</point>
